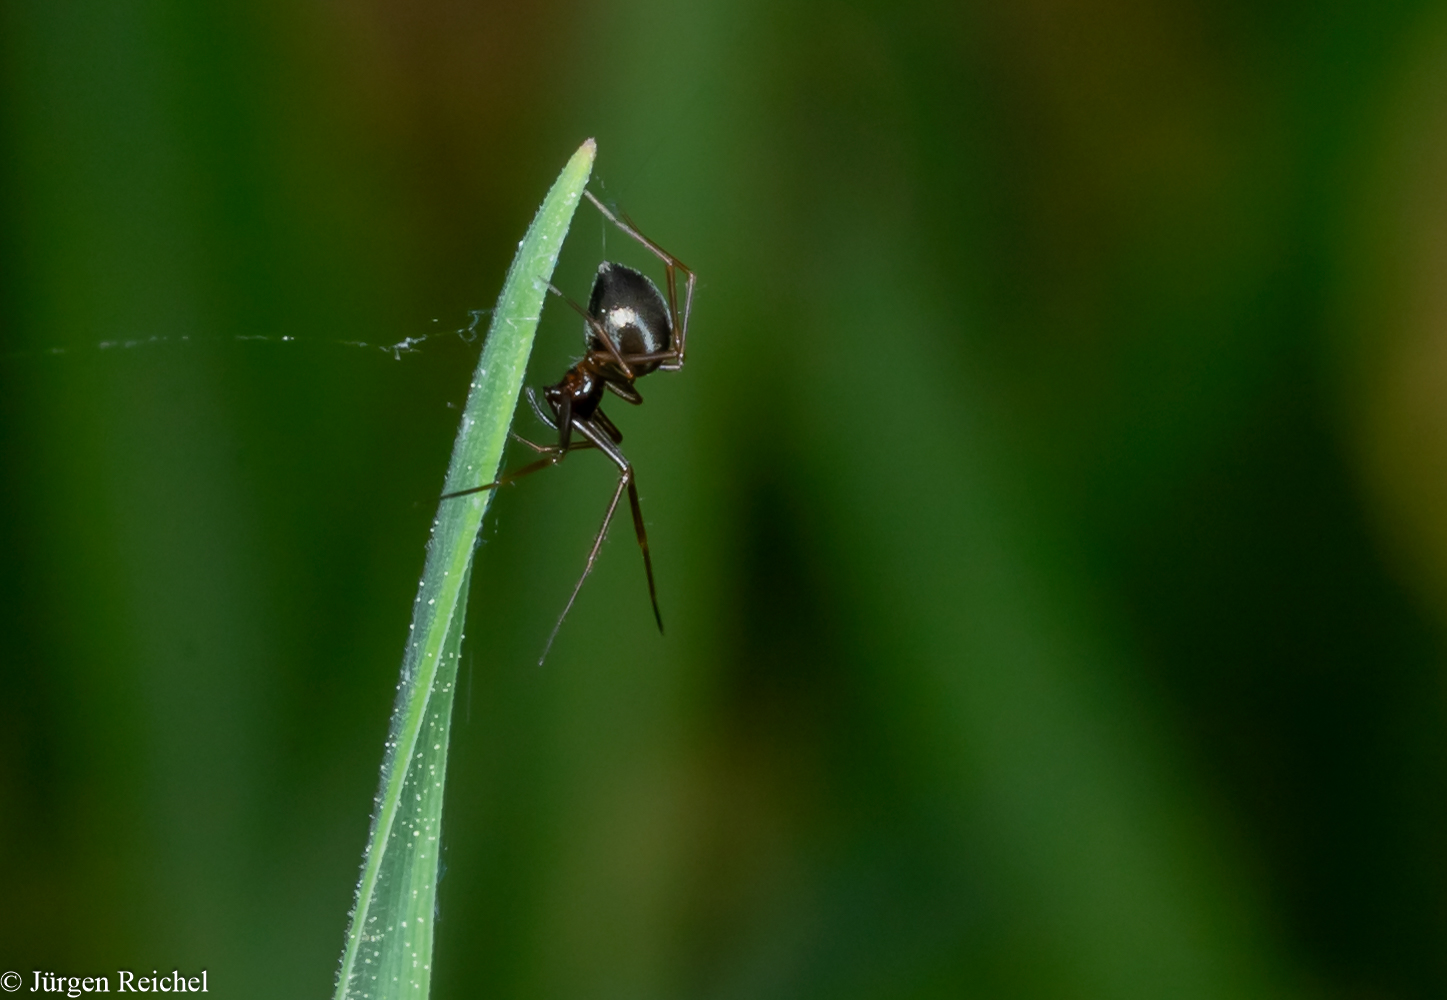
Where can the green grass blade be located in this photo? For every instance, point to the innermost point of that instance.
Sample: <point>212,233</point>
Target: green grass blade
<point>388,951</point>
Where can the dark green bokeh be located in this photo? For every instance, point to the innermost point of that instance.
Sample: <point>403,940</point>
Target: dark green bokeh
<point>1044,523</point>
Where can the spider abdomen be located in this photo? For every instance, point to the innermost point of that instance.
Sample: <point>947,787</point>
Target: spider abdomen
<point>633,312</point>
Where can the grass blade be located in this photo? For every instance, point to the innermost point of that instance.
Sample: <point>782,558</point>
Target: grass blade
<point>388,952</point>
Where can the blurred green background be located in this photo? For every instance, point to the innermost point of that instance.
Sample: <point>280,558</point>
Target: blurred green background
<point>1051,522</point>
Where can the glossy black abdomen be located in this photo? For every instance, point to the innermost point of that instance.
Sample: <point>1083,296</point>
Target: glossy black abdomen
<point>633,311</point>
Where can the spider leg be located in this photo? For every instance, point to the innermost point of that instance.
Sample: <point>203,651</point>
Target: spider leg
<point>601,419</point>
<point>626,480</point>
<point>643,359</point>
<point>511,477</point>
<point>599,330</point>
<point>538,409</point>
<point>548,449</point>
<point>551,455</point>
<point>626,393</point>
<point>565,422</point>
<point>672,265</point>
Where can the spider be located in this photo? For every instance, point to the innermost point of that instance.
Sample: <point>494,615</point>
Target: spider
<point>630,332</point>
